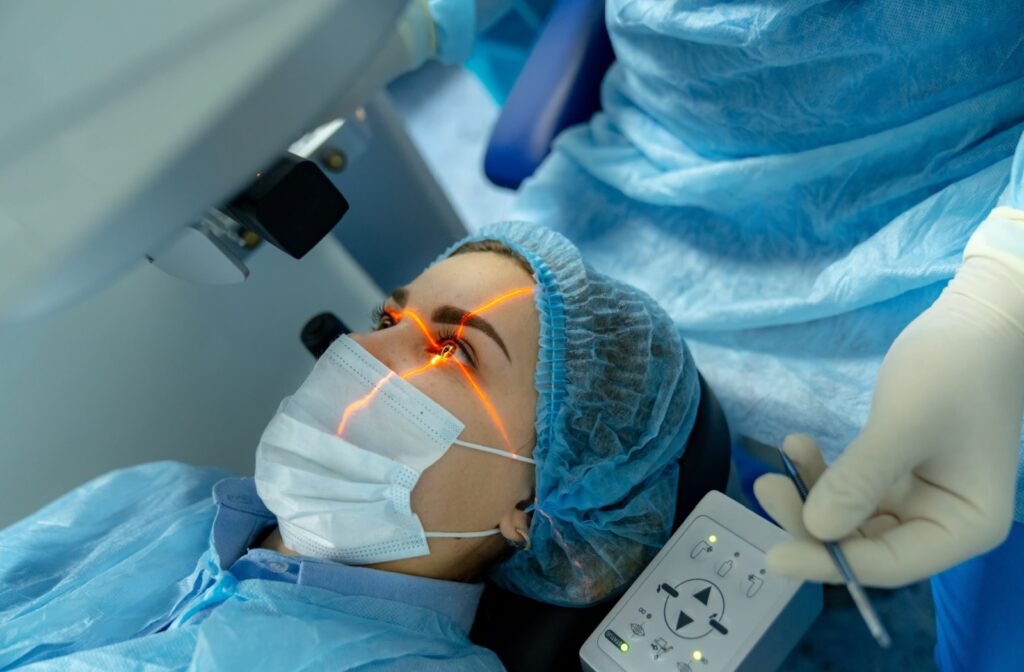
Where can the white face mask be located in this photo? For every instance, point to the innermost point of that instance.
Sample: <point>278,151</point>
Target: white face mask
<point>347,499</point>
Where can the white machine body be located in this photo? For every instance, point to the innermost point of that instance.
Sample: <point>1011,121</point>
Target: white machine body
<point>706,602</point>
<point>123,122</point>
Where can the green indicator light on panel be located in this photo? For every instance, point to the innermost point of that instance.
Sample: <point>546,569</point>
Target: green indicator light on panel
<point>617,641</point>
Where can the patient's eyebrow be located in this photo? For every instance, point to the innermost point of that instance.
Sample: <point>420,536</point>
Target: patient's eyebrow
<point>400,296</point>
<point>453,315</point>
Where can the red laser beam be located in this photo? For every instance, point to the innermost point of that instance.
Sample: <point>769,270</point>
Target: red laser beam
<point>410,374</point>
<point>422,325</point>
<point>444,355</point>
<point>356,405</point>
<point>491,304</point>
<point>486,402</point>
<point>362,403</point>
<point>559,539</point>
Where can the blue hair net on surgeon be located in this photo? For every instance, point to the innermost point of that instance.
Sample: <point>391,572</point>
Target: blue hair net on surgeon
<point>617,397</point>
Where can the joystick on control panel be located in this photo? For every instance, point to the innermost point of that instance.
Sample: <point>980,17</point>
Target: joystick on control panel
<point>706,603</point>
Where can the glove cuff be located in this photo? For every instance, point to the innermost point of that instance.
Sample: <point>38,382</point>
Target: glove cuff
<point>998,287</point>
<point>1000,237</point>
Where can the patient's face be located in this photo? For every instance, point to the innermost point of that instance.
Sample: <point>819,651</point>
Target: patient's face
<point>468,490</point>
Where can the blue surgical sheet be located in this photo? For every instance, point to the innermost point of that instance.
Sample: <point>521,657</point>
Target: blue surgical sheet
<point>150,568</point>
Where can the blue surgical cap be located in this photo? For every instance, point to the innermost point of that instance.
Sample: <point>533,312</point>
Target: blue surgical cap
<point>617,397</point>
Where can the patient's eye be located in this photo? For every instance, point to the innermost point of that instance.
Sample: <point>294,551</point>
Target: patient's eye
<point>382,318</point>
<point>448,341</point>
<point>445,343</point>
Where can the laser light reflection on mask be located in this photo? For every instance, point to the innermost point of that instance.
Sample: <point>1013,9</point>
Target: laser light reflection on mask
<point>444,354</point>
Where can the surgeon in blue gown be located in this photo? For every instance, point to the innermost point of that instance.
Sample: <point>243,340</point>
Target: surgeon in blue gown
<point>828,198</point>
<point>361,541</point>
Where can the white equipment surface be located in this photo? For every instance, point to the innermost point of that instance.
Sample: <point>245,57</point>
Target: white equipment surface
<point>153,368</point>
<point>124,121</point>
<point>706,603</point>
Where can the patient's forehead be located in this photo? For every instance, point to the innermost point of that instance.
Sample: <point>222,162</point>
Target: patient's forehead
<point>470,279</point>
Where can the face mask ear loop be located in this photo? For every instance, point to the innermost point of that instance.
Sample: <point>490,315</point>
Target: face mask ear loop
<point>460,535</point>
<point>494,451</point>
<point>488,533</point>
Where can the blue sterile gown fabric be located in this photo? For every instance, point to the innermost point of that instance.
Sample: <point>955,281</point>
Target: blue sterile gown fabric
<point>794,181</point>
<point>143,569</point>
<point>978,619</point>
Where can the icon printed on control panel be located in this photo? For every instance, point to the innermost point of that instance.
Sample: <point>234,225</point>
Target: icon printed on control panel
<point>638,630</point>
<point>645,613</point>
<point>702,546</point>
<point>659,648</point>
<point>724,568</point>
<point>694,608</point>
<point>755,584</point>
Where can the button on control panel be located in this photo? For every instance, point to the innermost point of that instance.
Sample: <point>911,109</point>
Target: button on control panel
<point>697,603</point>
<point>706,600</point>
<point>724,568</point>
<point>700,548</point>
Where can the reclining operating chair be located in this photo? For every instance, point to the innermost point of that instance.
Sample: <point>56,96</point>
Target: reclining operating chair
<point>531,636</point>
<point>558,87</point>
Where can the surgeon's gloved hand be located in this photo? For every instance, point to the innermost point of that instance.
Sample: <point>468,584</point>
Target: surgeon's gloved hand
<point>930,482</point>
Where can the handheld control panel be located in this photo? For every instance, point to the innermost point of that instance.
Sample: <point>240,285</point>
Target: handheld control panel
<point>706,603</point>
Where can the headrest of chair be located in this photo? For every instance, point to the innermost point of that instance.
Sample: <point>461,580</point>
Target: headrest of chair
<point>531,636</point>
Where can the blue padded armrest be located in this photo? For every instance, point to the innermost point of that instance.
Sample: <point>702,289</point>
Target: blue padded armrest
<point>559,86</point>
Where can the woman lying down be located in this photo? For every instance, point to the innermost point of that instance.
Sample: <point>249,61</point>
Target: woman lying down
<point>514,415</point>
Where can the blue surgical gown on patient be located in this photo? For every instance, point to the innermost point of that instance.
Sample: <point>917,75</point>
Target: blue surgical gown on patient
<point>795,181</point>
<point>150,568</point>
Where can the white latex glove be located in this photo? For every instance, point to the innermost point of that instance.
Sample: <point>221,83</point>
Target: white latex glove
<point>930,482</point>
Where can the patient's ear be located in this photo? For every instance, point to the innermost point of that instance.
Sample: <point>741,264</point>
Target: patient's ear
<point>514,520</point>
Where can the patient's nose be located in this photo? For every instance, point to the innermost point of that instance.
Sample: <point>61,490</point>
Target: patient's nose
<point>397,347</point>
